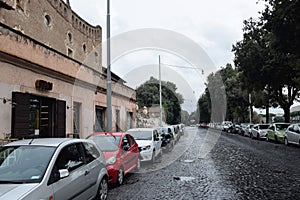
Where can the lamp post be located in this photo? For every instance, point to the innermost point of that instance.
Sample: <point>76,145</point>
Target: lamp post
<point>160,98</point>
<point>108,90</point>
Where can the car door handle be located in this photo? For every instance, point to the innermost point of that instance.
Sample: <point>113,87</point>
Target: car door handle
<point>86,173</point>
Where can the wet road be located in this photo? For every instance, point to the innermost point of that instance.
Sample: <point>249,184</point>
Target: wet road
<point>208,164</point>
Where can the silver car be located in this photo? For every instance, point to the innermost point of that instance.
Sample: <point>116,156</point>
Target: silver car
<point>292,134</point>
<point>52,168</point>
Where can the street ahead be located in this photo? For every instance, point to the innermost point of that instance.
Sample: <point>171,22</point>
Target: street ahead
<point>207,164</point>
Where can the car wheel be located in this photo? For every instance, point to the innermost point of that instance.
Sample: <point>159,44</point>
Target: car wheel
<point>120,176</point>
<point>286,142</point>
<point>103,190</point>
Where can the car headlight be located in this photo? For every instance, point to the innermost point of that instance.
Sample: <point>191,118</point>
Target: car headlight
<point>112,160</point>
<point>146,148</point>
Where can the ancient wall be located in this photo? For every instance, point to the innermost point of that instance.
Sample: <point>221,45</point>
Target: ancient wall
<point>56,26</point>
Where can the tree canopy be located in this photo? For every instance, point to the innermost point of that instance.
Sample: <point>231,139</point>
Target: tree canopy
<point>147,95</point>
<point>268,56</point>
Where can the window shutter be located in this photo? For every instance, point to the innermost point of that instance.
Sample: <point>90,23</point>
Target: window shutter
<point>20,115</point>
<point>60,119</point>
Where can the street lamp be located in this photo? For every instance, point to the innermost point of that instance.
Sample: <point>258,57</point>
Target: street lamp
<point>108,90</point>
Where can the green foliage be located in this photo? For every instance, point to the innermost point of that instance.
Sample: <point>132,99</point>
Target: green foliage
<point>148,95</point>
<point>268,56</point>
<point>184,117</point>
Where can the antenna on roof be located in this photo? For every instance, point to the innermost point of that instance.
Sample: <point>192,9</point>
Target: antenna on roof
<point>31,141</point>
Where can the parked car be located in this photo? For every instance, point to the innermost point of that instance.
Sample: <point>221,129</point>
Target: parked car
<point>259,131</point>
<point>167,138</point>
<point>242,128</point>
<point>177,132</point>
<point>226,125</point>
<point>276,131</point>
<point>173,133</point>
<point>52,168</point>
<point>292,134</point>
<point>149,143</point>
<point>181,129</point>
<point>233,128</point>
<point>247,130</point>
<point>121,153</point>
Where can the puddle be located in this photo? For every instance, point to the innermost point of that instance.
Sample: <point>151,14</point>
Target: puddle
<point>183,178</point>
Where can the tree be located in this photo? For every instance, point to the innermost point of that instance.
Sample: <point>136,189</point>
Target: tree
<point>268,55</point>
<point>283,24</point>
<point>147,95</point>
<point>184,117</point>
<point>203,107</point>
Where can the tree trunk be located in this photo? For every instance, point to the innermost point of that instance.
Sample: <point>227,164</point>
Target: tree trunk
<point>267,114</point>
<point>286,110</point>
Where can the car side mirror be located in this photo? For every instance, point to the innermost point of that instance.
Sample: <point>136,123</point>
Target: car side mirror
<point>63,173</point>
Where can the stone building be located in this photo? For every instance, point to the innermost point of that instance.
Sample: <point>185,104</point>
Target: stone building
<point>52,83</point>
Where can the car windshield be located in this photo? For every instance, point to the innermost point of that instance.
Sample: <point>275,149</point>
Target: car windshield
<point>107,143</point>
<point>263,126</point>
<point>281,126</point>
<point>24,164</point>
<point>141,134</point>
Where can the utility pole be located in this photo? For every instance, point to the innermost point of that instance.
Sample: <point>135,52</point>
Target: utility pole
<point>108,89</point>
<point>160,98</point>
<point>250,107</point>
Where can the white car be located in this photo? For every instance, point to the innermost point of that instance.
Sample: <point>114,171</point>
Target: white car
<point>259,131</point>
<point>226,125</point>
<point>52,168</point>
<point>149,143</point>
<point>292,134</point>
<point>247,130</point>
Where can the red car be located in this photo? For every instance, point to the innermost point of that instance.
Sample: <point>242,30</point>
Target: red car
<point>121,153</point>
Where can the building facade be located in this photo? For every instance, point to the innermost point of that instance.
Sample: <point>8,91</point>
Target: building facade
<point>52,83</point>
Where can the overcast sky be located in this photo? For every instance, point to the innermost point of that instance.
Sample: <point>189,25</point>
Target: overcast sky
<point>213,25</point>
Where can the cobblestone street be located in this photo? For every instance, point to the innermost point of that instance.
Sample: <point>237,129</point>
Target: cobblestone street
<point>208,165</point>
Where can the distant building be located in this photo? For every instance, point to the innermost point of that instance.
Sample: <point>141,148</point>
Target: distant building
<point>295,114</point>
<point>52,83</point>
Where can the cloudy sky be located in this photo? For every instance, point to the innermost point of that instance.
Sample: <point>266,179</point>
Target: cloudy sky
<point>205,28</point>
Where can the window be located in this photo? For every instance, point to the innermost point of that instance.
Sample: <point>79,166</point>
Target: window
<point>70,158</point>
<point>76,117</point>
<point>129,120</point>
<point>132,140</point>
<point>84,48</point>
<point>65,11</point>
<point>117,120</point>
<point>47,20</point>
<point>70,53</point>
<point>91,152</point>
<point>296,129</point>
<point>99,119</point>
<point>70,37</point>
<point>125,143</point>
